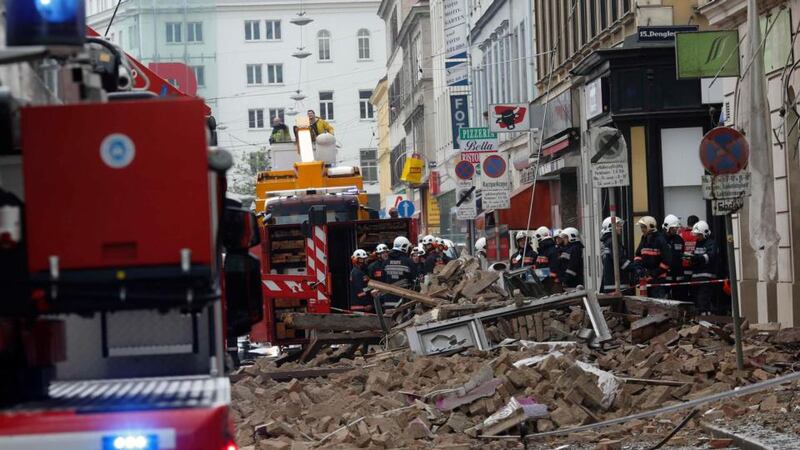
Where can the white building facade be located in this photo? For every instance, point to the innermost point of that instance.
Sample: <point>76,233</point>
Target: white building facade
<point>258,74</point>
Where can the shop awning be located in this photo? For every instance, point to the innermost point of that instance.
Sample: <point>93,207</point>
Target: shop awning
<point>516,217</point>
<point>551,148</point>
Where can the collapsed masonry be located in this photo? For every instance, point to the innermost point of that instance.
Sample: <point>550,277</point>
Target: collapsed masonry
<point>540,372</point>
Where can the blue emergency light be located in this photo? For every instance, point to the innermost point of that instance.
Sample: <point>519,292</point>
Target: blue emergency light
<point>130,441</point>
<point>45,22</point>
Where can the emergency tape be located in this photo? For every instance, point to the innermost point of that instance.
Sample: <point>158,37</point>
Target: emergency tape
<point>684,283</point>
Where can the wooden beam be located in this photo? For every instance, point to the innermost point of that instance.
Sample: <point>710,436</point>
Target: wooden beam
<point>405,293</point>
<point>331,322</point>
<point>649,327</point>
<point>284,375</point>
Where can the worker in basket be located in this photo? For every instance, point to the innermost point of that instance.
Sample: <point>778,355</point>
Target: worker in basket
<point>280,132</point>
<point>318,125</point>
<point>360,299</point>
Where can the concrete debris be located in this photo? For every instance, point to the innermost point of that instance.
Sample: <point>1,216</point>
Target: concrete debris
<point>398,399</point>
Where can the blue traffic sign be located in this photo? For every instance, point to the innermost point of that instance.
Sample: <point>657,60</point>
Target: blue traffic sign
<point>494,166</point>
<point>465,170</point>
<point>405,208</point>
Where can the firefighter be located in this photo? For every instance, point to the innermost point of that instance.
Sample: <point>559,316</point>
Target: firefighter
<point>399,269</point>
<point>547,259</point>
<point>704,264</point>
<point>524,256</point>
<point>558,239</point>
<point>672,228</point>
<point>280,132</point>
<point>689,242</point>
<point>571,259</point>
<point>480,253</point>
<point>418,258</point>
<point>607,283</point>
<point>652,257</point>
<point>428,243</point>
<point>435,255</point>
<point>360,299</point>
<point>318,125</point>
<point>375,270</point>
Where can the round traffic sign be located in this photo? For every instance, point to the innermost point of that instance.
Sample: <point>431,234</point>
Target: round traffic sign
<point>724,150</point>
<point>405,208</point>
<point>465,170</point>
<point>494,166</point>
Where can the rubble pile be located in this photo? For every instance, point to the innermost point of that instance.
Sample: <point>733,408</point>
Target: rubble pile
<point>462,281</point>
<point>398,399</point>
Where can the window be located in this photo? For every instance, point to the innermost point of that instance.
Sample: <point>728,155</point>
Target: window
<point>274,73</point>
<point>276,112</point>
<point>369,165</point>
<point>326,105</point>
<point>324,44</point>
<point>199,75</point>
<point>397,159</point>
<point>366,107</point>
<point>133,40</point>
<point>194,32</point>
<point>273,30</point>
<point>363,44</point>
<point>255,118</point>
<point>252,30</point>
<point>174,32</point>
<point>254,74</point>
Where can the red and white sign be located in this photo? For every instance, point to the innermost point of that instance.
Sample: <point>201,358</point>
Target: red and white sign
<point>509,117</point>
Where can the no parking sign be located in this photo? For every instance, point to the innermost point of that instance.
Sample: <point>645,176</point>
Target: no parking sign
<point>495,185</point>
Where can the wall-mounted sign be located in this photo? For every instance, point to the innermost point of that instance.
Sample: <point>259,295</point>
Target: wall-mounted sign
<point>455,29</point>
<point>559,115</point>
<point>509,117</point>
<point>459,116</point>
<point>456,73</point>
<point>593,93</point>
<point>475,141</point>
<point>662,33</point>
<point>707,54</point>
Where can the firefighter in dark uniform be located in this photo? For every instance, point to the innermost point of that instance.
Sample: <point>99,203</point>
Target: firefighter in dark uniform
<point>672,229</point>
<point>705,264</point>
<point>547,260</point>
<point>652,258</point>
<point>571,259</point>
<point>418,258</point>
<point>399,269</point>
<point>375,270</point>
<point>435,255</point>
<point>360,299</point>
<point>607,283</point>
<point>524,256</point>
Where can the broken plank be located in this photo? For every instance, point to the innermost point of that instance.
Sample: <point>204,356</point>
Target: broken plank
<point>332,322</point>
<point>651,381</point>
<point>405,293</point>
<point>647,306</point>
<point>475,287</point>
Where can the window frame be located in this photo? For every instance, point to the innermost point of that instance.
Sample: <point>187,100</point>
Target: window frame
<point>201,69</point>
<point>273,26</point>
<point>251,26</point>
<point>272,78</point>
<point>253,119</point>
<point>281,112</point>
<point>170,37</point>
<point>367,36</point>
<point>369,166</point>
<point>364,105</point>
<point>324,36</point>
<point>326,109</point>
<point>193,27</point>
<point>257,69</point>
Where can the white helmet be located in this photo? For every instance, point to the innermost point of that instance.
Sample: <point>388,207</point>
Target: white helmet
<point>572,234</point>
<point>649,222</point>
<point>359,254</point>
<point>701,228</point>
<point>418,250</point>
<point>520,235</point>
<point>671,221</point>
<point>440,242</point>
<point>542,233</point>
<point>401,243</point>
<point>606,227</point>
<point>381,248</point>
<point>480,244</point>
<point>428,240</point>
<point>449,244</point>
<point>556,232</point>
